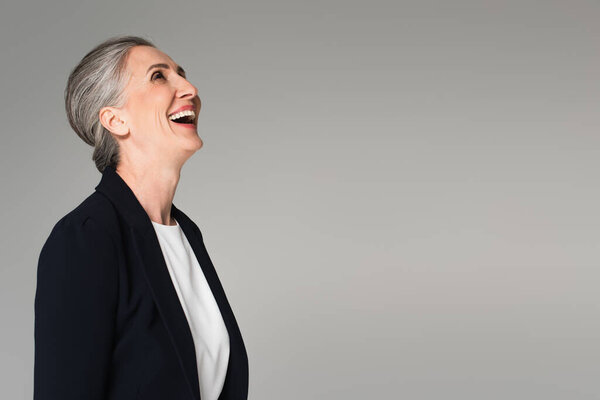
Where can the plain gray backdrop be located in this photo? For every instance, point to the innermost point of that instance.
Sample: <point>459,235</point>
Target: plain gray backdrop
<point>400,197</point>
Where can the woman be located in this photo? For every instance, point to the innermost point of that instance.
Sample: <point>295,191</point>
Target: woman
<point>128,304</point>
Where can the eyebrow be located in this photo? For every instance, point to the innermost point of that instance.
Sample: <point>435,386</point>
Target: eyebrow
<point>179,69</point>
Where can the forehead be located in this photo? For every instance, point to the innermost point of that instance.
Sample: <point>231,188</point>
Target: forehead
<point>140,58</point>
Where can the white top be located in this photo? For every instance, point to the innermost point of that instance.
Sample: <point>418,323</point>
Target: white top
<point>211,339</point>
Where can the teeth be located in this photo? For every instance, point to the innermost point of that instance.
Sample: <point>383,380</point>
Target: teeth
<point>182,114</point>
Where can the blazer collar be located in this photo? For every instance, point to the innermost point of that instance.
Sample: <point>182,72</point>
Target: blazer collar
<point>121,195</point>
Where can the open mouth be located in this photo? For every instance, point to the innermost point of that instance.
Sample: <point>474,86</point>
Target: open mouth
<point>184,118</point>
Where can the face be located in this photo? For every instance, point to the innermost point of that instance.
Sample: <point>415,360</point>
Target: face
<point>152,94</point>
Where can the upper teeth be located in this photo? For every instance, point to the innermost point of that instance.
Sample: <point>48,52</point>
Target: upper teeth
<point>182,114</point>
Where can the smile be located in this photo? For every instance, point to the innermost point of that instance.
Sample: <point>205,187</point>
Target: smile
<point>185,118</point>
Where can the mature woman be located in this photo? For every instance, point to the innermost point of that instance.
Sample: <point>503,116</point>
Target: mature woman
<point>128,304</point>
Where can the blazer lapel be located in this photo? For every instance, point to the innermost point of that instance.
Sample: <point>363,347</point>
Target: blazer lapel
<point>148,251</point>
<point>236,380</point>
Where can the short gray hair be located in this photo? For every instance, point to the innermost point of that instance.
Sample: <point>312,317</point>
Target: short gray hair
<point>99,81</point>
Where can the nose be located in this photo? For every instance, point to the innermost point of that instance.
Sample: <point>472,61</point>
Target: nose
<point>186,89</point>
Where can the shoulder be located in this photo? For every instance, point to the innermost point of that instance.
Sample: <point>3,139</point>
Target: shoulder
<point>77,268</point>
<point>99,209</point>
<point>91,225</point>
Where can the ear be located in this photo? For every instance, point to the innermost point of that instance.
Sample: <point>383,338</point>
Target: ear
<point>111,118</point>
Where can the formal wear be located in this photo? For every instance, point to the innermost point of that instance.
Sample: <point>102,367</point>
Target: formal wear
<point>211,340</point>
<point>109,321</point>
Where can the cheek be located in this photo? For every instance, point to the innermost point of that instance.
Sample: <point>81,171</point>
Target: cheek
<point>139,107</point>
<point>158,103</point>
<point>150,108</point>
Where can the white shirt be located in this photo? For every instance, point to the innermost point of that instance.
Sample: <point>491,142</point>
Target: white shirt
<point>211,339</point>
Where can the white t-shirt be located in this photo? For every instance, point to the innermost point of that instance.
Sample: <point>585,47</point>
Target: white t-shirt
<point>211,339</point>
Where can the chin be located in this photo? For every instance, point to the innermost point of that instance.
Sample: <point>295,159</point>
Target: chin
<point>194,143</point>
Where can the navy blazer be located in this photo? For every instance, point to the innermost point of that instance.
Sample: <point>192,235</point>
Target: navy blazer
<point>108,321</point>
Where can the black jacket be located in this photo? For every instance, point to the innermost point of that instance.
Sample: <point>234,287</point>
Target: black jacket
<point>108,321</point>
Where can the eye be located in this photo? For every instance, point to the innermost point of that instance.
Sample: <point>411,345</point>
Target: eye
<point>157,73</point>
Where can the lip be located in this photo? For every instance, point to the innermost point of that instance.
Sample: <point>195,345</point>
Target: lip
<point>188,126</point>
<point>184,108</point>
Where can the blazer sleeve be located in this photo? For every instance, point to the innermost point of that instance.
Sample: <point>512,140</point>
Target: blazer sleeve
<point>75,308</point>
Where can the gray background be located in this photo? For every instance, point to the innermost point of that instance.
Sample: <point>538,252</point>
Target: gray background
<point>400,197</point>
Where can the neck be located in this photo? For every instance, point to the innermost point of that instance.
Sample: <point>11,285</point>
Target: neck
<point>154,186</point>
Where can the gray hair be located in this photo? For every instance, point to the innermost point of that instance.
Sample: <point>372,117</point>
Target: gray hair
<point>99,81</point>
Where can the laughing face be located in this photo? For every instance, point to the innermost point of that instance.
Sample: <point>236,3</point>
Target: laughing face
<point>159,118</point>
